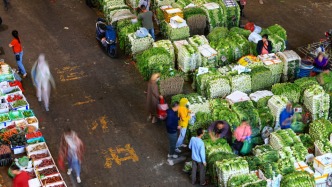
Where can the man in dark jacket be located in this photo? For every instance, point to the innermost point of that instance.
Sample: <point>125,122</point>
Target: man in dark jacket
<point>264,46</point>
<point>172,128</point>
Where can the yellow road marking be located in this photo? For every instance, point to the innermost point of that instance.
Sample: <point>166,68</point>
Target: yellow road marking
<point>114,155</point>
<point>89,100</point>
<point>102,121</point>
<point>69,73</point>
<point>103,124</point>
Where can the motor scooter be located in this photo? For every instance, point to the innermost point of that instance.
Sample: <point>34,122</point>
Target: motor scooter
<point>106,36</point>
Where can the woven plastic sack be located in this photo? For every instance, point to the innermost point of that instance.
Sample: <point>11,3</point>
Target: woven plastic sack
<point>142,32</point>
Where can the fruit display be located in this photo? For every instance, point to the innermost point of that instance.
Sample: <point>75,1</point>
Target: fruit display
<point>19,103</point>
<point>31,174</point>
<point>39,156</point>
<point>21,124</point>
<point>15,115</point>
<point>45,162</point>
<point>48,171</point>
<point>32,120</point>
<point>14,97</point>
<point>51,180</point>
<point>38,147</point>
<point>6,135</point>
<point>30,129</point>
<point>4,117</point>
<point>28,113</point>
<point>4,150</point>
<point>17,140</point>
<point>33,135</point>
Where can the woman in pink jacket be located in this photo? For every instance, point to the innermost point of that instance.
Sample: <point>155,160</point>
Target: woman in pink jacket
<point>241,133</point>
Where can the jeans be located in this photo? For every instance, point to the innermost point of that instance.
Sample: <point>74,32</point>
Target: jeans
<point>172,142</point>
<point>21,68</point>
<point>74,164</point>
<point>181,137</point>
<point>151,32</point>
<point>201,172</point>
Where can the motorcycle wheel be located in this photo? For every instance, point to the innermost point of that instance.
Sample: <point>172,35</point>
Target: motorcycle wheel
<point>112,52</point>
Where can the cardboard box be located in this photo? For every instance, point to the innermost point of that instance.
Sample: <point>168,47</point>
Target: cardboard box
<point>323,164</point>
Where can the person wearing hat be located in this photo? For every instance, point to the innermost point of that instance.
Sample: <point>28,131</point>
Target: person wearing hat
<point>184,117</point>
<point>264,46</point>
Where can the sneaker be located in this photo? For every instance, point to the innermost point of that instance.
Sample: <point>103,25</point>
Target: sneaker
<point>183,145</point>
<point>69,171</point>
<point>177,150</point>
<point>78,180</point>
<point>25,75</point>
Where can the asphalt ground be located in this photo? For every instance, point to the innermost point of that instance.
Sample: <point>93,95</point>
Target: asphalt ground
<point>103,99</point>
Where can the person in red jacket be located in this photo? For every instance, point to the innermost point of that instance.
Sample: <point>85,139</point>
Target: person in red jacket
<point>21,178</point>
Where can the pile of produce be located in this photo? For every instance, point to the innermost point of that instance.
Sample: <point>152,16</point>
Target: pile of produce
<point>260,149</point>
<point>276,104</point>
<point>33,135</point>
<point>17,140</point>
<point>283,138</point>
<point>51,180</point>
<point>217,34</point>
<point>187,57</point>
<point>237,30</point>
<point>320,129</point>
<point>138,45</point>
<point>203,120</point>
<point>291,62</point>
<point>125,27</point>
<point>176,33</point>
<point>242,46</point>
<point>232,11</point>
<point>278,30</point>
<point>217,87</point>
<point>246,111</point>
<point>4,117</point>
<point>290,90</point>
<point>323,146</point>
<point>225,49</point>
<point>265,117</point>
<point>111,10</point>
<point>154,60</point>
<point>218,146</point>
<point>196,103</point>
<point>211,164</point>
<point>197,40</point>
<point>317,102</point>
<point>243,179</point>
<point>240,82</point>
<point>48,171</point>
<point>227,168</point>
<point>260,78</point>
<point>28,113</point>
<point>249,61</point>
<point>307,141</point>
<point>45,162</point>
<point>196,19</point>
<point>39,156</point>
<point>14,97</point>
<point>278,44</point>
<point>298,178</point>
<point>208,56</point>
<point>215,15</point>
<point>224,113</point>
<point>19,103</point>
<point>202,79</point>
<point>166,44</point>
<point>159,3</point>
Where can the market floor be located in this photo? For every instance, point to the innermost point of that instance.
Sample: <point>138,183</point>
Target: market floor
<point>103,99</point>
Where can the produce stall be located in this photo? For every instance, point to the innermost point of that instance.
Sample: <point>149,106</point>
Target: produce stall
<point>21,140</point>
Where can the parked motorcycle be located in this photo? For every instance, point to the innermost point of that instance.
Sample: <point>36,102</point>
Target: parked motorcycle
<point>106,36</point>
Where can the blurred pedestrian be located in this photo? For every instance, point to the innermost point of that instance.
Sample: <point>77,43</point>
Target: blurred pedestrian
<point>18,52</point>
<point>172,127</point>
<point>286,116</point>
<point>153,97</point>
<point>241,133</point>
<point>198,157</point>
<point>21,178</point>
<point>220,129</point>
<point>184,115</point>
<point>42,80</point>
<point>71,147</point>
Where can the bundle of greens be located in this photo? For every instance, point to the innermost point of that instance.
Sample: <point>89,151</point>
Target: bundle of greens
<point>270,170</point>
<point>215,14</point>
<point>307,141</point>
<point>226,114</point>
<point>298,178</point>
<point>125,27</point>
<point>277,104</point>
<point>193,11</point>
<point>211,164</point>
<point>262,102</point>
<point>153,60</point>
<point>114,8</point>
<point>258,183</point>
<point>286,166</point>
<point>138,45</point>
<point>218,146</point>
<point>106,4</point>
<point>218,103</point>
<point>299,152</point>
<point>278,44</point>
<point>202,79</point>
<point>197,103</point>
<point>232,11</point>
<point>260,78</point>
<point>166,44</point>
<point>283,138</point>
<point>253,162</point>
<point>304,83</point>
<point>242,45</point>
<point>237,30</point>
<point>260,149</point>
<point>269,156</point>
<point>323,146</point>
<point>159,3</point>
<point>183,3</point>
<point>177,33</point>
<point>265,117</point>
<point>226,168</point>
<point>317,101</point>
<point>225,49</point>
<point>203,120</point>
<point>240,82</point>
<point>320,129</point>
<point>187,57</point>
<point>197,41</point>
<point>246,111</point>
<point>290,90</point>
<point>216,35</point>
<point>325,80</point>
<point>217,87</point>
<point>242,179</point>
<point>278,30</point>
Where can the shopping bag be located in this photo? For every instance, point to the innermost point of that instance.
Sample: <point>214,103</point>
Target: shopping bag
<point>162,107</point>
<point>246,148</point>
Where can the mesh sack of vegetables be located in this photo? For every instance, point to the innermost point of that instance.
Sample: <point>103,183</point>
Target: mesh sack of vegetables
<point>241,47</point>
<point>215,14</point>
<point>265,117</point>
<point>260,78</point>
<point>278,44</point>
<point>237,30</point>
<point>196,20</point>
<point>225,49</point>
<point>124,28</point>
<point>278,30</point>
<point>211,168</point>
<point>216,35</point>
<point>153,60</point>
<point>290,90</point>
<point>232,11</point>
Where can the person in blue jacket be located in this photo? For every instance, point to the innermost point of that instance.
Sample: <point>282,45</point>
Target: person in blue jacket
<point>172,128</point>
<point>286,116</point>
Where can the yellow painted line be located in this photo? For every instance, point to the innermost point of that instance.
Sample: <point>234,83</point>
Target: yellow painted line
<point>114,155</point>
<point>103,122</point>
<point>89,100</point>
<point>68,73</point>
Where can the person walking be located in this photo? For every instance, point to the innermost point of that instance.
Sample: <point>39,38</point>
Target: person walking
<point>184,115</point>
<point>153,97</point>
<point>18,52</point>
<point>198,157</point>
<point>71,147</point>
<point>21,178</point>
<point>42,80</point>
<point>147,21</point>
<point>172,121</point>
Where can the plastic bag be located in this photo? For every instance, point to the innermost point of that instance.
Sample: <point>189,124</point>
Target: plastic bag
<point>142,32</point>
<point>246,148</point>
